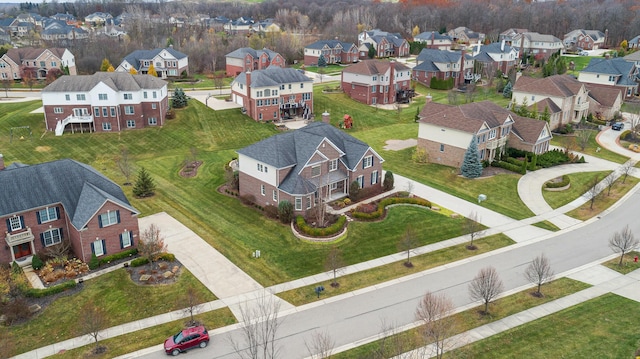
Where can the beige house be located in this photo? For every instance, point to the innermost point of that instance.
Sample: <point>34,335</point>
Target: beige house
<point>566,98</point>
<point>604,101</point>
<point>40,61</point>
<point>445,131</point>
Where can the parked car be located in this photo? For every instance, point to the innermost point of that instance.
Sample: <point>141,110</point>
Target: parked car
<point>186,339</point>
<point>617,126</point>
<point>583,53</point>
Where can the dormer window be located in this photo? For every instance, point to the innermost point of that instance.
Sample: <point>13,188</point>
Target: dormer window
<point>315,171</point>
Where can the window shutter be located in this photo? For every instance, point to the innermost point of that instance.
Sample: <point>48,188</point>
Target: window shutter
<point>22,221</point>
<point>363,162</point>
<point>104,247</point>
<point>61,234</point>
<point>93,251</point>
<point>58,212</point>
<point>42,239</point>
<point>118,216</point>
<point>38,217</point>
<point>121,244</point>
<point>8,226</point>
<point>99,222</point>
<point>131,238</point>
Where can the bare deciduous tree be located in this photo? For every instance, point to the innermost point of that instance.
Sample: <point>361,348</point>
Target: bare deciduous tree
<point>259,328</point>
<point>625,169</point>
<point>125,166</point>
<point>583,137</point>
<point>609,181</point>
<point>473,228</point>
<point>151,244</point>
<point>486,286</point>
<point>320,346</point>
<point>60,250</point>
<point>408,242</point>
<point>593,191</point>
<point>539,272</point>
<point>191,301</point>
<point>435,311</point>
<point>92,322</point>
<point>623,242</point>
<point>335,264</point>
<point>6,85</point>
<point>392,343</point>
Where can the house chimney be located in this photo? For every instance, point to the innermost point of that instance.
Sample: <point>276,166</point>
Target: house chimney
<point>1,162</point>
<point>433,39</point>
<point>325,117</point>
<point>461,75</point>
<point>392,81</point>
<point>502,46</point>
<point>477,49</point>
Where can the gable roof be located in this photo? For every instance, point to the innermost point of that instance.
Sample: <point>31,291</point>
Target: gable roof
<point>318,45</point>
<point>604,95</point>
<point>273,76</point>
<point>373,67</point>
<point>635,40</point>
<point>537,37</point>
<point>429,35</point>
<point>118,81</point>
<point>546,103</point>
<point>528,129</point>
<point>243,51</point>
<point>435,55</point>
<point>556,85</point>
<point>616,66</point>
<point>29,53</point>
<point>135,57</point>
<point>634,56</point>
<point>470,117</point>
<point>79,187</point>
<point>496,48</point>
<point>295,148</point>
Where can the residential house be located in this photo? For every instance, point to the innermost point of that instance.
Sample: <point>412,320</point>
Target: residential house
<point>633,57</point>
<point>634,43</point>
<point>443,65</point>
<point>615,72</point>
<point>333,51</point>
<point>568,94</point>
<point>495,56</point>
<point>167,62</point>
<point>541,46</point>
<point>178,20</point>
<point>446,131</point>
<point>104,102</point>
<point>10,26</point>
<point>40,61</point>
<point>67,18</point>
<point>98,19</point>
<point>45,204</point>
<point>5,37</point>
<point>266,25</point>
<point>274,93</point>
<point>434,40</point>
<point>375,82</point>
<point>241,25</point>
<point>247,59</point>
<point>585,39</point>
<point>59,30</point>
<point>24,28</point>
<point>604,101</point>
<point>385,44</point>
<point>510,34</point>
<point>31,18</point>
<point>462,37</point>
<point>218,23</point>
<point>316,161</point>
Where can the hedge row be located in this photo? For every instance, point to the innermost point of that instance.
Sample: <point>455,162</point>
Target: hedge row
<point>58,288</point>
<point>509,167</point>
<point>320,232</point>
<point>388,201</point>
<point>117,256</point>
<point>565,181</point>
<point>625,134</point>
<point>140,261</point>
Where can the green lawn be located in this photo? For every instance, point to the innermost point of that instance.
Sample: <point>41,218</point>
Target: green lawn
<point>201,82</point>
<point>390,271</point>
<point>592,148</point>
<point>580,184</point>
<point>580,63</point>
<point>547,225</point>
<point>469,319</point>
<point>605,327</point>
<point>628,263</point>
<point>604,200</point>
<point>121,299</point>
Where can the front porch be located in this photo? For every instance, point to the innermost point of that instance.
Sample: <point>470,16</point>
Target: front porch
<point>21,247</point>
<point>332,186</point>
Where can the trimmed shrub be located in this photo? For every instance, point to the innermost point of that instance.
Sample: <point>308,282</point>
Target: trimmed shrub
<point>139,262</point>
<point>346,201</point>
<point>117,256</point>
<point>320,232</point>
<point>271,211</point>
<point>552,158</point>
<point>509,167</point>
<point>354,191</point>
<point>388,182</point>
<point>565,181</point>
<point>369,192</point>
<point>94,263</point>
<point>248,199</point>
<point>15,268</point>
<point>285,211</point>
<point>388,201</point>
<point>625,134</point>
<point>36,262</point>
<point>167,257</point>
<point>59,288</point>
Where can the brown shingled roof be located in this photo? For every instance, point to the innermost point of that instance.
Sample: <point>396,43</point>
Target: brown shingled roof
<point>528,129</point>
<point>603,94</point>
<point>540,106</point>
<point>556,85</point>
<point>468,117</point>
<point>30,53</point>
<point>373,67</point>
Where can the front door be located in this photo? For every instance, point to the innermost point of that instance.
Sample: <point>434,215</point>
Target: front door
<point>22,250</point>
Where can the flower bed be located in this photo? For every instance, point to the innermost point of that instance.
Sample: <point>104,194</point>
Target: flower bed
<point>303,227</point>
<point>380,211</point>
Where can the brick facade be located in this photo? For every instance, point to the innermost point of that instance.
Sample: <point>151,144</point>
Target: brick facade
<point>451,156</point>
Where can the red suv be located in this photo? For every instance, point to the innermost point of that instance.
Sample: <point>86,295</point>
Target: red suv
<point>187,339</point>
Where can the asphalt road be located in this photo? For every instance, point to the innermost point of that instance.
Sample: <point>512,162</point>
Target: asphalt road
<point>357,317</point>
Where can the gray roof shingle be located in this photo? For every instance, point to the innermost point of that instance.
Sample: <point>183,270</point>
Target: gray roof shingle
<point>118,81</point>
<point>78,187</point>
<point>135,57</point>
<point>273,76</point>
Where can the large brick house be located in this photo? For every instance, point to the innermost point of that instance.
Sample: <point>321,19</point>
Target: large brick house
<point>385,44</point>
<point>39,61</point>
<point>495,56</point>
<point>274,94</point>
<point>446,131</point>
<point>615,72</point>
<point>434,40</point>
<point>247,59</point>
<point>333,51</point>
<point>443,65</point>
<point>298,166</point>
<point>166,62</point>
<point>541,46</point>
<point>376,82</point>
<point>42,205</point>
<point>463,37</point>
<point>104,102</point>
<point>569,95</point>
<point>585,39</point>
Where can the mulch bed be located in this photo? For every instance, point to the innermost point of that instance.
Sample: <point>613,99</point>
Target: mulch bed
<point>190,169</point>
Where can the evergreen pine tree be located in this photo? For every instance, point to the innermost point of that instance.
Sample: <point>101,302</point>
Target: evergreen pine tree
<point>471,166</point>
<point>322,62</point>
<point>179,98</point>
<point>506,92</point>
<point>144,186</point>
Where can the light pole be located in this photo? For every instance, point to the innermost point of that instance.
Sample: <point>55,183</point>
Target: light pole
<point>206,101</point>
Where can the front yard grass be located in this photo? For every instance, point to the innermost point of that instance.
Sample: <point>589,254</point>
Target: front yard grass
<point>471,318</point>
<point>604,327</point>
<point>593,148</point>
<point>547,225</point>
<point>580,184</point>
<point>351,282</point>
<point>148,337</point>
<point>122,300</point>
<point>604,201</point>
<point>628,264</point>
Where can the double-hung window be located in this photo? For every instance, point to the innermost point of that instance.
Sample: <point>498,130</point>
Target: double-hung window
<point>97,247</point>
<point>333,165</point>
<point>367,162</point>
<point>126,239</point>
<point>374,177</point>
<point>109,218</point>
<point>360,181</point>
<point>298,204</point>
<point>315,171</point>
<point>47,215</point>
<point>103,97</point>
<point>128,96</point>
<point>51,237</point>
<point>128,110</point>
<point>15,223</point>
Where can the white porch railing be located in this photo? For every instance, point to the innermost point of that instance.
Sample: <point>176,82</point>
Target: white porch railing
<point>71,119</point>
<point>19,238</point>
